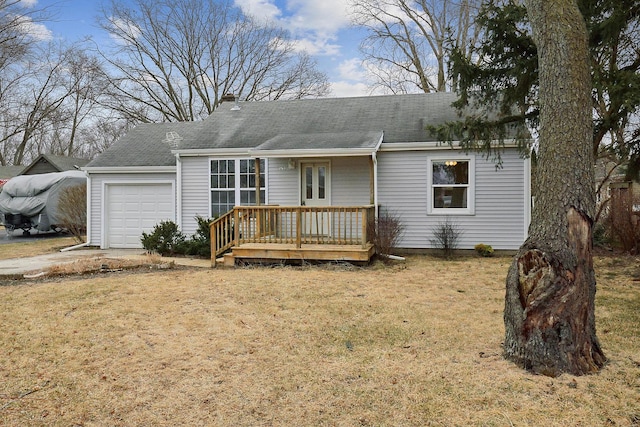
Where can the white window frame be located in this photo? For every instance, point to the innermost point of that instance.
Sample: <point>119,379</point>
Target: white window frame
<point>237,188</point>
<point>470,209</point>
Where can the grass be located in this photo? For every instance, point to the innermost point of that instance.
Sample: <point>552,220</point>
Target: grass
<point>413,344</point>
<point>34,247</point>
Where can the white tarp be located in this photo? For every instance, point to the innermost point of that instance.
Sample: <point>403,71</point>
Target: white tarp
<point>37,196</point>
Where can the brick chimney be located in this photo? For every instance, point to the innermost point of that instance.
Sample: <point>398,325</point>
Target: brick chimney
<point>227,97</point>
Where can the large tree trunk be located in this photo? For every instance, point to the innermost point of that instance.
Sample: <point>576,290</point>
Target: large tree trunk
<point>549,306</point>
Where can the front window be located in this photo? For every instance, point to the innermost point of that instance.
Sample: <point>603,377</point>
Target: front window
<point>451,186</point>
<point>233,182</point>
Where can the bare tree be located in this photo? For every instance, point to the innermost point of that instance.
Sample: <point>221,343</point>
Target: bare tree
<point>408,42</point>
<point>84,82</point>
<point>176,59</point>
<point>15,39</point>
<point>36,102</point>
<point>100,134</point>
<point>16,47</point>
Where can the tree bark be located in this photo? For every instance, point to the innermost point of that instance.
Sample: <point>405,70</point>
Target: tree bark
<point>550,293</point>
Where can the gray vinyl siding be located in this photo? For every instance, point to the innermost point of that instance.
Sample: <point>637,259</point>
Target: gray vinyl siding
<point>97,181</point>
<point>350,185</point>
<point>349,181</point>
<point>283,183</point>
<point>195,192</point>
<point>499,218</point>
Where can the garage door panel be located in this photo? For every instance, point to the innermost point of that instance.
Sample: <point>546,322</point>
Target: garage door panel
<point>136,208</point>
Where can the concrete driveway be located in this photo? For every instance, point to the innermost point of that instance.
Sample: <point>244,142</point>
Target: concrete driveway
<point>18,267</point>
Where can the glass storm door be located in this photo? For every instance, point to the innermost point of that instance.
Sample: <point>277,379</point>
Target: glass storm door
<point>316,186</point>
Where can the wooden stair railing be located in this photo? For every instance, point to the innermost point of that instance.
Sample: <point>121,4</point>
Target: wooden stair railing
<point>222,235</point>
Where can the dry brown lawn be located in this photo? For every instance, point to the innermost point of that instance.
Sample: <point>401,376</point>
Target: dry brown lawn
<point>34,247</point>
<point>413,344</point>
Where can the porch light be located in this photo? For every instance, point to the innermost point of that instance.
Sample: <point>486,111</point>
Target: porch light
<point>291,164</point>
<point>451,162</point>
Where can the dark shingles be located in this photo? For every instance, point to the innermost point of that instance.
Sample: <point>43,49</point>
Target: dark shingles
<point>147,145</point>
<point>342,123</point>
<point>402,118</point>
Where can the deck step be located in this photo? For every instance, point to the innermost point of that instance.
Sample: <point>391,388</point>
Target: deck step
<point>284,252</point>
<point>229,260</point>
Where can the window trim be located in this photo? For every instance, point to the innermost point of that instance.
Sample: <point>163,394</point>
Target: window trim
<point>470,209</point>
<point>237,185</point>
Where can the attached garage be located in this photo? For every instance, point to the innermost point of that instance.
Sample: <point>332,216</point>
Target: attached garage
<point>131,208</point>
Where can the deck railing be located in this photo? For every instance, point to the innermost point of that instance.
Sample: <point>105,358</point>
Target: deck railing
<point>294,225</point>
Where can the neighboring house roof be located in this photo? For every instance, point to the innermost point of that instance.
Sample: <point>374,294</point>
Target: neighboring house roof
<point>46,163</point>
<point>293,127</point>
<point>7,172</point>
<point>148,144</point>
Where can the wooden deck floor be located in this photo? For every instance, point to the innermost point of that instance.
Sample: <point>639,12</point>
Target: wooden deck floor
<point>308,252</point>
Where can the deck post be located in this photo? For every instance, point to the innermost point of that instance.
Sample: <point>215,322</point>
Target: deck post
<point>236,226</point>
<point>298,227</point>
<point>214,240</point>
<point>365,221</point>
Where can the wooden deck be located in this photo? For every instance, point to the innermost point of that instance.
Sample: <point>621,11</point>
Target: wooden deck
<point>298,233</point>
<point>274,252</point>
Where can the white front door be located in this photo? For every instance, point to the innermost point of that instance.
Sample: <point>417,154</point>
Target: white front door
<point>316,192</point>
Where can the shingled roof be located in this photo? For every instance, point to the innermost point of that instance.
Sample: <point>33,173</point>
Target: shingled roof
<point>358,124</point>
<point>46,163</point>
<point>303,124</point>
<point>148,144</point>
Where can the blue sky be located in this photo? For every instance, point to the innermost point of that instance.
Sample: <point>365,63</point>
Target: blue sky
<point>321,27</point>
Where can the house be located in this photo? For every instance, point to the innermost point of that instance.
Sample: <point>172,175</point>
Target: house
<point>47,163</point>
<point>8,172</point>
<point>322,166</point>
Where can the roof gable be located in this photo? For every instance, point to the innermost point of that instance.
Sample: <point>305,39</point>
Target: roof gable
<point>46,163</point>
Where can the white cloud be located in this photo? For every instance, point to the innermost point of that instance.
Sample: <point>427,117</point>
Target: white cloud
<point>313,24</point>
<point>323,17</point>
<point>343,89</point>
<point>316,46</point>
<point>352,69</point>
<point>28,3</point>
<point>121,26</point>
<point>259,9</point>
<point>36,30</point>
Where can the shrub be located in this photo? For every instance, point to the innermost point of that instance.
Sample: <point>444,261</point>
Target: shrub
<point>165,239</point>
<point>200,242</point>
<point>484,250</point>
<point>446,236</point>
<point>72,211</point>
<point>385,232</point>
<point>601,236</point>
<point>622,222</point>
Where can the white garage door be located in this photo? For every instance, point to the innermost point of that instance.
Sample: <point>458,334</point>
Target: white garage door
<point>132,209</point>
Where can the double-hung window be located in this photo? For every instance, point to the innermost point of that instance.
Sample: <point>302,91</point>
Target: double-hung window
<point>451,185</point>
<point>233,182</point>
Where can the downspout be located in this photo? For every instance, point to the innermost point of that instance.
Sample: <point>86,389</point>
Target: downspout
<point>178,200</point>
<point>527,197</point>
<point>88,242</point>
<point>374,157</point>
